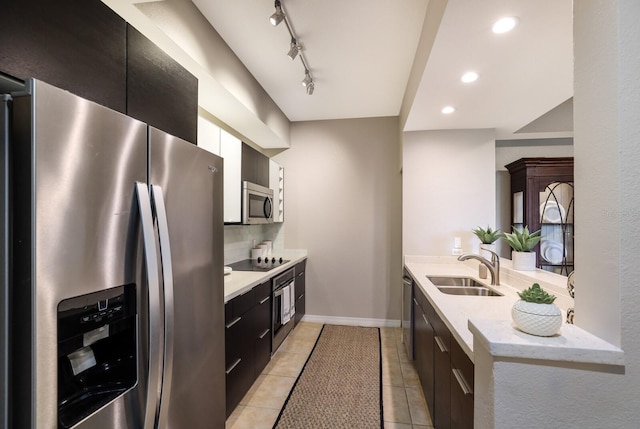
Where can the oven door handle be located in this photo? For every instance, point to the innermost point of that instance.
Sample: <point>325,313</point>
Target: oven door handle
<point>280,289</point>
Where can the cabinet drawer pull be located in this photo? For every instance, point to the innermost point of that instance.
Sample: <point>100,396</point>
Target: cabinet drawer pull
<point>265,300</point>
<point>266,331</point>
<point>440,344</point>
<point>462,382</point>
<point>416,302</point>
<point>425,319</point>
<point>301,296</point>
<point>234,321</point>
<point>233,366</point>
<point>301,274</point>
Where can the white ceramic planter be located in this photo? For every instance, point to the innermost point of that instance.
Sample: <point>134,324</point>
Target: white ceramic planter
<point>543,320</point>
<point>485,247</point>
<point>523,261</point>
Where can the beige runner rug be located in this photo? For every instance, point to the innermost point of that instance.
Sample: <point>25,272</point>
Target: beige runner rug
<point>340,385</point>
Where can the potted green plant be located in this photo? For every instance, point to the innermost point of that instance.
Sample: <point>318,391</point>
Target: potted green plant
<point>535,313</point>
<point>488,238</point>
<point>522,242</point>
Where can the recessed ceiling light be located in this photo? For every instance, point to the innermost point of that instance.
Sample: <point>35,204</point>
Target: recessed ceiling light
<point>448,109</point>
<point>504,25</point>
<point>469,77</point>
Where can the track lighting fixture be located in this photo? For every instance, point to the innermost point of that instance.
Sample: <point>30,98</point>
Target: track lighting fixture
<point>278,16</point>
<point>307,79</point>
<point>295,49</point>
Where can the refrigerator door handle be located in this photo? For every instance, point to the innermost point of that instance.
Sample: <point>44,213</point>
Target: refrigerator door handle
<point>151,263</point>
<point>167,281</point>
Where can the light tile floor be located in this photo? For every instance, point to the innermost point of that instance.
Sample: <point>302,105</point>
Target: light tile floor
<point>403,402</point>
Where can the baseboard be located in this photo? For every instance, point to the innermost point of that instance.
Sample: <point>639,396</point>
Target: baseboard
<point>351,321</point>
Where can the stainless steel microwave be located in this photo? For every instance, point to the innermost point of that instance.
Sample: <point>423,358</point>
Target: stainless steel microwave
<point>257,204</point>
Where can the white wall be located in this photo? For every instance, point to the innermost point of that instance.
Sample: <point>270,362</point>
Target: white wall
<point>342,203</point>
<point>448,189</point>
<point>607,157</point>
<point>607,184</point>
<point>509,151</point>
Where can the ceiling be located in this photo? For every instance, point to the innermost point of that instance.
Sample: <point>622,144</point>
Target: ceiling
<point>361,52</point>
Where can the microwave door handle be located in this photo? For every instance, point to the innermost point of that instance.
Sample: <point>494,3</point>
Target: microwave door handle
<point>153,283</point>
<point>267,207</point>
<point>167,281</point>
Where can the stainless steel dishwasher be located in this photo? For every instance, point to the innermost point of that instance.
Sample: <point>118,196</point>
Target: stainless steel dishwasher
<point>407,313</point>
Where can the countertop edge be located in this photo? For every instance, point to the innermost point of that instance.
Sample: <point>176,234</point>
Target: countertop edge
<point>573,344</point>
<point>246,280</point>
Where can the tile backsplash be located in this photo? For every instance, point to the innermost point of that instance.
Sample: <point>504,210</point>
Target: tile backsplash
<point>239,239</point>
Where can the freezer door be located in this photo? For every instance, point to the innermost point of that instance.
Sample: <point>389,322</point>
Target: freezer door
<point>75,232</point>
<point>191,183</point>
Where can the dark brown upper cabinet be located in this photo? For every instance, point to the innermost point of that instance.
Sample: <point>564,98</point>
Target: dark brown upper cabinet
<point>160,91</point>
<point>255,166</point>
<point>76,45</point>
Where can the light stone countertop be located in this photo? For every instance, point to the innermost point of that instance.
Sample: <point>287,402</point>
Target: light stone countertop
<point>238,282</point>
<point>489,317</point>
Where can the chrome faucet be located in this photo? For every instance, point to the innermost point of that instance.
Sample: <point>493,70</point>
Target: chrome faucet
<point>493,266</point>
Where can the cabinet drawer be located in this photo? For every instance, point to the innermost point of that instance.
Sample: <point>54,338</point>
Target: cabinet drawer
<point>301,307</point>
<point>237,334</point>
<point>462,372</point>
<point>442,377</point>
<point>261,317</point>
<point>262,292</point>
<point>241,304</point>
<point>239,377</point>
<point>263,352</point>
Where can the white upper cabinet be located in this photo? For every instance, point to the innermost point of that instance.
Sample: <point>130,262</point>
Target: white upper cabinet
<point>208,135</point>
<point>231,151</point>
<point>276,183</point>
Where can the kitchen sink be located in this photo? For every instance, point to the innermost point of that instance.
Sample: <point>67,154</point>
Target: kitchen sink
<point>469,291</point>
<point>462,286</point>
<point>455,281</point>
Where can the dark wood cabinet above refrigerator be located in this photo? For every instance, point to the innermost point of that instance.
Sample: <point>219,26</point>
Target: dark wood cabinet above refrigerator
<point>160,91</point>
<point>77,45</point>
<point>86,48</point>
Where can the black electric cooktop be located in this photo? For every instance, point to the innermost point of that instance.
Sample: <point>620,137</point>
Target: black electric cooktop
<point>260,264</point>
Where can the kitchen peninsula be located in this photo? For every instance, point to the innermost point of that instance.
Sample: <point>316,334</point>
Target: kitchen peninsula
<point>504,357</point>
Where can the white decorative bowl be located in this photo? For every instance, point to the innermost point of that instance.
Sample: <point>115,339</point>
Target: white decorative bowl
<point>543,320</point>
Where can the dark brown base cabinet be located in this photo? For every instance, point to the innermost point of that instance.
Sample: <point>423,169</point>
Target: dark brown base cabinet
<point>247,316</point>
<point>300,291</point>
<point>445,371</point>
<point>462,373</point>
<point>442,370</point>
<point>423,348</point>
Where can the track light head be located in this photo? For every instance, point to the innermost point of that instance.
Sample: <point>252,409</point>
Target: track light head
<point>294,49</point>
<point>278,16</point>
<point>307,79</point>
<point>310,88</point>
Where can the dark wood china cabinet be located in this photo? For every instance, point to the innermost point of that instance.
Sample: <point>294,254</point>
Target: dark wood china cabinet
<point>542,198</point>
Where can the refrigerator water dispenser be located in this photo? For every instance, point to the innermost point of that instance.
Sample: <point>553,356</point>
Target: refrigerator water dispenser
<point>96,351</point>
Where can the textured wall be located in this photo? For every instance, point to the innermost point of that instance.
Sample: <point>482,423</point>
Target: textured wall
<point>342,203</point>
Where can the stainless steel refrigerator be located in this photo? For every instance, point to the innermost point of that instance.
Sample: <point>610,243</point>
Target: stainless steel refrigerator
<point>115,305</point>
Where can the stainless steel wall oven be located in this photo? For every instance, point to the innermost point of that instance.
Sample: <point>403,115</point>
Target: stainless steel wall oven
<point>283,307</point>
